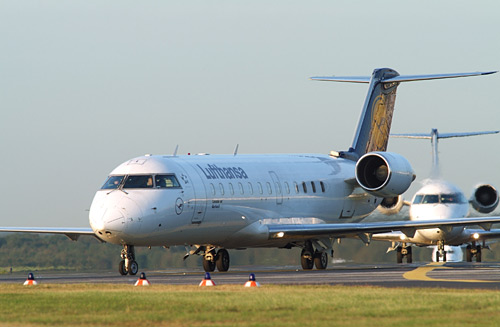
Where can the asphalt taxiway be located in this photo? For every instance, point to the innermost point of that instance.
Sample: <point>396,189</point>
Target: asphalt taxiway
<point>447,275</point>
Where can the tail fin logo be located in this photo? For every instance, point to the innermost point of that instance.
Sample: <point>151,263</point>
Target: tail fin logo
<point>382,112</point>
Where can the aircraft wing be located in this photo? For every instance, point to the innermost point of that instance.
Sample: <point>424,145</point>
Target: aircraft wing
<point>72,233</point>
<point>303,231</point>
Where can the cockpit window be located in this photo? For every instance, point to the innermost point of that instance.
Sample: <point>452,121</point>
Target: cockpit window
<point>418,199</point>
<point>166,181</point>
<point>452,198</point>
<point>112,183</point>
<point>139,181</point>
<point>431,198</point>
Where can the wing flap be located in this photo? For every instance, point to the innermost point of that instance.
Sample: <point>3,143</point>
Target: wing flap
<point>302,231</point>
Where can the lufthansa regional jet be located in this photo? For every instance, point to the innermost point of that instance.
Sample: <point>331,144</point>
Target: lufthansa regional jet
<point>217,202</point>
<point>440,199</point>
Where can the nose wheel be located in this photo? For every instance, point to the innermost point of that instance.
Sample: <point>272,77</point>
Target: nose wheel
<point>128,265</point>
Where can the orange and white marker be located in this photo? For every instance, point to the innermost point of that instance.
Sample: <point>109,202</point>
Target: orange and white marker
<point>142,281</point>
<point>252,282</point>
<point>207,281</point>
<point>31,280</point>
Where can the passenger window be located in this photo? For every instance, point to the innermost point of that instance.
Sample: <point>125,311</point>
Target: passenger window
<point>221,187</point>
<point>287,188</point>
<point>242,191</point>
<point>212,187</point>
<point>304,186</point>
<point>322,186</point>
<point>313,187</point>
<point>250,187</point>
<point>231,189</point>
<point>296,187</point>
<point>139,181</point>
<point>269,188</point>
<point>259,185</point>
<point>166,181</point>
<point>112,183</point>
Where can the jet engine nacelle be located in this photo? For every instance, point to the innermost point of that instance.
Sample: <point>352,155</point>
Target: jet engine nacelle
<point>391,206</point>
<point>384,174</point>
<point>484,199</point>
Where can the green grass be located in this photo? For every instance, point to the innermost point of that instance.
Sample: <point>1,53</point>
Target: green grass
<point>270,305</point>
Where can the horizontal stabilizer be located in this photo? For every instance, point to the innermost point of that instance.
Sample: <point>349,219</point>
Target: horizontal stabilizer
<point>396,79</point>
<point>428,136</point>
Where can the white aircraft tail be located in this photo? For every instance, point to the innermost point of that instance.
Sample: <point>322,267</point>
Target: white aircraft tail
<point>374,125</point>
<point>434,136</point>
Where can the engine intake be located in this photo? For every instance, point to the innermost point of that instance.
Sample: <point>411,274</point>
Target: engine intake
<point>391,206</point>
<point>484,198</point>
<point>384,174</point>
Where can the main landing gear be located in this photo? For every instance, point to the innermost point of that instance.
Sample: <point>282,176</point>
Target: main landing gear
<point>310,257</point>
<point>219,259</point>
<point>128,265</point>
<point>472,251</point>
<point>440,253</point>
<point>404,251</point>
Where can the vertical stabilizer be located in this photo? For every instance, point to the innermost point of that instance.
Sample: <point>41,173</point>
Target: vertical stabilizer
<point>434,136</point>
<point>374,124</point>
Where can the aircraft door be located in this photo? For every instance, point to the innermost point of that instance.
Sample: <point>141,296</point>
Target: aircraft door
<point>199,200</point>
<point>277,187</point>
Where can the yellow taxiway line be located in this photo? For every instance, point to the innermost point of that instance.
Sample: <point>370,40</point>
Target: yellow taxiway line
<point>421,274</point>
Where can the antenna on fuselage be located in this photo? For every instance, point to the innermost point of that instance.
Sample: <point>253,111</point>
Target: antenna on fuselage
<point>175,151</point>
<point>434,136</point>
<point>236,150</point>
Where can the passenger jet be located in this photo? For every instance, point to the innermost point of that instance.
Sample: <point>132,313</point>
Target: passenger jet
<point>217,202</point>
<point>440,199</point>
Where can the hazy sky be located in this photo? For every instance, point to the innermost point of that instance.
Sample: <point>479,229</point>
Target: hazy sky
<point>87,85</point>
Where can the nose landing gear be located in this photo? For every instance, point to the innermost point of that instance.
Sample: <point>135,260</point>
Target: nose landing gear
<point>128,265</point>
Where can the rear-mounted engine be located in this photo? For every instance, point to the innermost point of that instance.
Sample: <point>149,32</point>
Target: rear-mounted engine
<point>384,174</point>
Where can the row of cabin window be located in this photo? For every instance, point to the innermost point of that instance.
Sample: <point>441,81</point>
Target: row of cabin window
<point>269,188</point>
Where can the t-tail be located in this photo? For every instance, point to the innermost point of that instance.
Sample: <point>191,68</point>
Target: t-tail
<point>374,125</point>
<point>434,136</point>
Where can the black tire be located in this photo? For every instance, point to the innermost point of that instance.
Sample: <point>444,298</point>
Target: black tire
<point>208,265</point>
<point>222,260</point>
<point>133,268</point>
<point>121,268</point>
<point>306,260</point>
<point>321,260</point>
<point>399,255</point>
<point>437,255</point>
<point>444,256</point>
<point>409,255</point>
<point>478,253</point>
<point>468,253</point>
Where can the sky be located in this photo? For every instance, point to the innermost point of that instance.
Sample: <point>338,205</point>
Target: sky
<point>87,85</point>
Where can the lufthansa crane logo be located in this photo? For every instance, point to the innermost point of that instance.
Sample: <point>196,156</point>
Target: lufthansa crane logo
<point>179,206</point>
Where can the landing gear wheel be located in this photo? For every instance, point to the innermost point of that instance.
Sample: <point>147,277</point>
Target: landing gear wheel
<point>437,256</point>
<point>321,260</point>
<point>409,255</point>
<point>208,265</point>
<point>306,260</point>
<point>468,253</point>
<point>399,255</point>
<point>121,268</point>
<point>222,260</point>
<point>478,253</point>
<point>133,268</point>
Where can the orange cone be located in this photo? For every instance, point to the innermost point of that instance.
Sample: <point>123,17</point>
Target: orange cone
<point>142,281</point>
<point>31,280</point>
<point>207,281</point>
<point>252,282</point>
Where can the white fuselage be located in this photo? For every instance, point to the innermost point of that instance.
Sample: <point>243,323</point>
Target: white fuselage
<point>223,200</point>
<point>439,200</point>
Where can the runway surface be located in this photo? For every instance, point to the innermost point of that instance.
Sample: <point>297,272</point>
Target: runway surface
<point>447,275</point>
